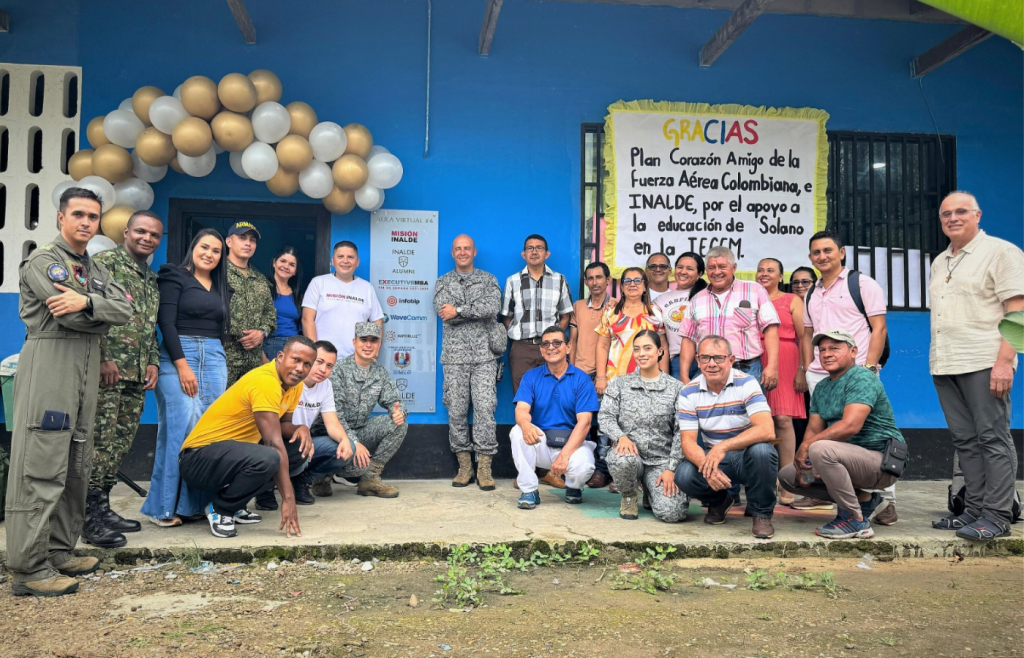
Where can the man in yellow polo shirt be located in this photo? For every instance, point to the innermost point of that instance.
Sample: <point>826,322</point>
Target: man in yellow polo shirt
<point>223,455</point>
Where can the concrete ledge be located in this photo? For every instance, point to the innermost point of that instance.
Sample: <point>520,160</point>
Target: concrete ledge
<point>430,515</point>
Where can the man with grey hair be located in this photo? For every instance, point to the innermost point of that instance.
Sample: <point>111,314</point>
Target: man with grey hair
<point>729,409</point>
<point>739,311</point>
<point>973,283</point>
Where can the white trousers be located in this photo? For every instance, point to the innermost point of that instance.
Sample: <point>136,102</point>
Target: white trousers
<point>529,457</point>
<point>813,379</point>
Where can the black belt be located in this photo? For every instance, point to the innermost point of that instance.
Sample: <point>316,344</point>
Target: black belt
<point>531,341</point>
<point>57,335</point>
<point>748,362</point>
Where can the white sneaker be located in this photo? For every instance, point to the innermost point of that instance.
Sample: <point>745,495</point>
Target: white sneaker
<point>344,481</point>
<point>245,517</point>
<point>220,526</point>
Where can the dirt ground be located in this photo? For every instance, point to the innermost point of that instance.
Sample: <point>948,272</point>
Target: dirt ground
<point>914,607</point>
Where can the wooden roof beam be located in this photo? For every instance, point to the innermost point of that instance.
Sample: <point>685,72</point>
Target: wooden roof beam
<point>740,20</point>
<point>241,15</point>
<point>490,24</point>
<point>951,48</point>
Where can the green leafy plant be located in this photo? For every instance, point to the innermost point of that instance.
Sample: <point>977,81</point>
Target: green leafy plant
<point>762,580</point>
<point>650,579</point>
<point>1012,329</point>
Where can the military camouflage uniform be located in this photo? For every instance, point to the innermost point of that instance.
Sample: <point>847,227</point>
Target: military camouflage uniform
<point>471,343</point>
<point>133,347</point>
<point>646,413</point>
<point>355,395</point>
<point>252,307</point>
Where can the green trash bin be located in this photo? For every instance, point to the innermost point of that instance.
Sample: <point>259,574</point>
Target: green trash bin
<point>8,367</point>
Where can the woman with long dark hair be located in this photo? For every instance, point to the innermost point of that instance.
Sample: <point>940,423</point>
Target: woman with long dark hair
<point>193,318</point>
<point>287,300</point>
<point>633,313</point>
<point>688,273</point>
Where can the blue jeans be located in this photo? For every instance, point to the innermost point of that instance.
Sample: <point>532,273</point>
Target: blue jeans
<point>323,462</point>
<point>756,467</point>
<point>753,368</point>
<point>177,414</point>
<point>673,367</point>
<point>273,345</point>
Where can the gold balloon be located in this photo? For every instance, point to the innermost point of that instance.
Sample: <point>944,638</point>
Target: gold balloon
<point>154,148</point>
<point>173,164</point>
<point>192,137</point>
<point>231,131</point>
<point>350,172</point>
<point>199,96</point>
<point>114,222</point>
<point>268,86</point>
<point>112,162</point>
<point>340,202</point>
<point>284,183</point>
<point>360,141</point>
<point>294,153</point>
<point>94,132</point>
<point>237,92</point>
<point>142,99</point>
<point>80,164</point>
<point>303,118</point>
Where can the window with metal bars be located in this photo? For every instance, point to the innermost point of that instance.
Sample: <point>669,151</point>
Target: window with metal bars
<point>884,191</point>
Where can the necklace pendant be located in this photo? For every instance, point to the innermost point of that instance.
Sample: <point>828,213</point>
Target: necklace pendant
<point>950,276</point>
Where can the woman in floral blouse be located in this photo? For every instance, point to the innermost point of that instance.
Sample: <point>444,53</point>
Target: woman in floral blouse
<point>638,412</point>
<point>620,324</point>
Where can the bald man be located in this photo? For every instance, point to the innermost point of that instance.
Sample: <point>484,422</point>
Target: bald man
<point>468,300</point>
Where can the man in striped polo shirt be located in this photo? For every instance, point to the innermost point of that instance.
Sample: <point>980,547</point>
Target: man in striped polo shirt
<point>728,408</point>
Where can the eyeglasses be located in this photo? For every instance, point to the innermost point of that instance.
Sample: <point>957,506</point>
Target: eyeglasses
<point>959,212</point>
<point>658,268</point>
<point>800,282</point>
<point>535,248</point>
<point>632,282</point>
<point>717,358</point>
<point>548,344</point>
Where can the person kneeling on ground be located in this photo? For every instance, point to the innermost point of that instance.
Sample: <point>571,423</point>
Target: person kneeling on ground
<point>223,456</point>
<point>554,407</point>
<point>639,411</point>
<point>851,428</point>
<point>728,408</point>
<point>360,384</point>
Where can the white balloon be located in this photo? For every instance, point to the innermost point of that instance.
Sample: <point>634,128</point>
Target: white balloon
<point>377,149</point>
<point>316,180</point>
<point>199,166</point>
<point>135,193</point>
<point>166,113</point>
<point>259,161</point>
<point>177,92</point>
<point>126,104</point>
<point>270,122</point>
<point>122,127</point>
<point>235,160</point>
<point>147,172</point>
<point>369,197</point>
<point>385,171</point>
<point>59,190</point>
<point>216,148</point>
<point>99,244</point>
<point>102,188</point>
<point>328,140</point>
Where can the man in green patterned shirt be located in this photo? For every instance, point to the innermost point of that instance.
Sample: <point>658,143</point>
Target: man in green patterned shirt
<point>253,316</point>
<point>129,363</point>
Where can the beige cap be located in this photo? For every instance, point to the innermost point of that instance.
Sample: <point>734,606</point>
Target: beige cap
<point>837,335</point>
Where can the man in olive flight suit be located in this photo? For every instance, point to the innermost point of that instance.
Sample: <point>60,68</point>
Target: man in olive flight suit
<point>68,301</point>
<point>253,316</point>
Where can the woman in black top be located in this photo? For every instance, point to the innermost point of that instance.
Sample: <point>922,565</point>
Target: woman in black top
<point>193,317</point>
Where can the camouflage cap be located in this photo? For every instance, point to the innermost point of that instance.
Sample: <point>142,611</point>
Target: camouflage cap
<point>368,329</point>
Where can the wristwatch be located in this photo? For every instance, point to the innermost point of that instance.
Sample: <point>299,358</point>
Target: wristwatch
<point>458,310</point>
<point>873,368</point>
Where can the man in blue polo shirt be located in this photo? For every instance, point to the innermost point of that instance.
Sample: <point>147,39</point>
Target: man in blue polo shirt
<point>555,404</point>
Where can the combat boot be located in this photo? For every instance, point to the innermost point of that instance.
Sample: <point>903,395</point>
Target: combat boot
<point>94,532</point>
<point>322,487</point>
<point>53,586</point>
<point>78,566</point>
<point>371,484</point>
<point>465,475</point>
<point>484,479</point>
<point>112,519</point>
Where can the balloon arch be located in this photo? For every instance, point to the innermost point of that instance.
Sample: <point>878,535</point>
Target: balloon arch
<point>284,146</point>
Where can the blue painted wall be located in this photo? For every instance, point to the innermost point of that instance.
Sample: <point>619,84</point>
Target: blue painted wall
<point>504,155</point>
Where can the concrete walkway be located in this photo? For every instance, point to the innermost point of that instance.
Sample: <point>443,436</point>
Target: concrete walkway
<point>431,514</point>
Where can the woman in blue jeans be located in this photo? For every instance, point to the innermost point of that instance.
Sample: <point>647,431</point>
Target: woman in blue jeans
<point>287,301</point>
<point>193,318</point>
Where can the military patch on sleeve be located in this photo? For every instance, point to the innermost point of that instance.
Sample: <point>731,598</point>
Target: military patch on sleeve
<point>57,272</point>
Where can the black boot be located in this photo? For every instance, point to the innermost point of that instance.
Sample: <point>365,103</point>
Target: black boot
<point>112,519</point>
<point>94,532</point>
<point>265,500</point>
<point>300,485</point>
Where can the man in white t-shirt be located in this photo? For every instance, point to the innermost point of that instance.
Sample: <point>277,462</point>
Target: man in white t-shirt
<point>334,303</point>
<point>331,452</point>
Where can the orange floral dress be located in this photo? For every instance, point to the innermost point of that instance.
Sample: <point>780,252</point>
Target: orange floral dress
<point>622,328</point>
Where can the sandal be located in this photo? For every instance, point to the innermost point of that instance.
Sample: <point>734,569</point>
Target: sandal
<point>984,530</point>
<point>954,521</point>
<point>167,523</point>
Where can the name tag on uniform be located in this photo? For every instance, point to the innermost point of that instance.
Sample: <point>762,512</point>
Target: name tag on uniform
<point>98,285</point>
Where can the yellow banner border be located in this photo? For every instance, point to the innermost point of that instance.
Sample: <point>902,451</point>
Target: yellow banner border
<point>727,110</point>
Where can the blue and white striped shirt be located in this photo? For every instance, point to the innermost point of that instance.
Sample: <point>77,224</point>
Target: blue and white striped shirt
<point>720,416</point>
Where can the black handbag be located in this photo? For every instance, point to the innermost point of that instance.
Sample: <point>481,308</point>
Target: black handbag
<point>895,457</point>
<point>557,438</point>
